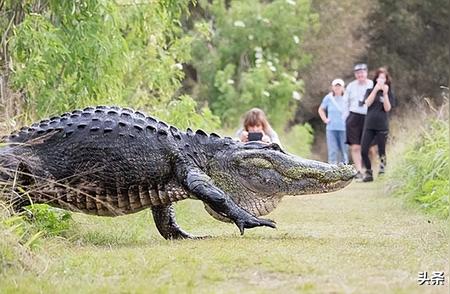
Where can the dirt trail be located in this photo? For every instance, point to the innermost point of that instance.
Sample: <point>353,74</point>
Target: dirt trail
<point>371,241</point>
<point>358,240</point>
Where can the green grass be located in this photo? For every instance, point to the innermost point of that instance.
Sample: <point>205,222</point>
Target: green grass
<point>358,240</point>
<point>420,175</point>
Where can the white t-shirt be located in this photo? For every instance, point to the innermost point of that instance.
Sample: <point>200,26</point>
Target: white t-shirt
<point>354,96</point>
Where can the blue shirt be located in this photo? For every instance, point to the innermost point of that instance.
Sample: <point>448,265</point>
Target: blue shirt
<point>336,112</point>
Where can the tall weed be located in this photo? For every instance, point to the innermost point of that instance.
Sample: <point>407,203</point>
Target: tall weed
<point>422,173</point>
<point>22,233</point>
<point>17,239</point>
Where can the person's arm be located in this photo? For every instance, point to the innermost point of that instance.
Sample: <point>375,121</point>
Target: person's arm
<point>346,98</point>
<point>266,138</point>
<point>274,138</point>
<point>323,115</point>
<point>323,106</point>
<point>373,94</point>
<point>386,102</point>
<point>242,135</point>
<point>371,97</point>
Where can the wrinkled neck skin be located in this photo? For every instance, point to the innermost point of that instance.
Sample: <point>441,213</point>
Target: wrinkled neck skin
<point>257,176</point>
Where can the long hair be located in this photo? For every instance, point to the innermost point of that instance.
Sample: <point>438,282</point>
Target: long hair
<point>255,116</point>
<point>385,71</point>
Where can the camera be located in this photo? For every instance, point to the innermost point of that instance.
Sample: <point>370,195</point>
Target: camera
<point>255,136</point>
<point>381,81</point>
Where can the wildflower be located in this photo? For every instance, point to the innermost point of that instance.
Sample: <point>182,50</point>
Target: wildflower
<point>239,23</point>
<point>291,2</point>
<point>296,95</point>
<point>178,66</point>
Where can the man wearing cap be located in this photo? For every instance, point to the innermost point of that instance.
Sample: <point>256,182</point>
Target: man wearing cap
<point>354,100</point>
<point>332,111</point>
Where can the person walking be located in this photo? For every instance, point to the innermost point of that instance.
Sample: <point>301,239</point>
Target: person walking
<point>332,113</point>
<point>354,101</point>
<point>379,101</point>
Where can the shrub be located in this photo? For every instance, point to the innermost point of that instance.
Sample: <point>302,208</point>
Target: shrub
<point>50,221</point>
<point>73,55</point>
<point>298,140</point>
<point>422,175</point>
<point>249,55</point>
<point>17,238</point>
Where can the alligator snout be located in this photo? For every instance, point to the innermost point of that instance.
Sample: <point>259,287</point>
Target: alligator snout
<point>342,172</point>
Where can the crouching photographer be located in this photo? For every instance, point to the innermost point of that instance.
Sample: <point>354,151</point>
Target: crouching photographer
<point>256,127</point>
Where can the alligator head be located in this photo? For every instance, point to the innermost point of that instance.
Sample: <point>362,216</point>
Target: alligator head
<point>257,176</point>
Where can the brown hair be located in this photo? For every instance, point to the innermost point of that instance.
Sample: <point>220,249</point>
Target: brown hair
<point>380,71</point>
<point>255,116</point>
<point>334,94</point>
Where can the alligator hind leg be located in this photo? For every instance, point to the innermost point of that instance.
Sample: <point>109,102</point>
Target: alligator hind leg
<point>164,217</point>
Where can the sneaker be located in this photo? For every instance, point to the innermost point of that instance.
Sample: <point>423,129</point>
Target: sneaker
<point>368,176</point>
<point>359,177</point>
<point>382,165</point>
<point>381,170</point>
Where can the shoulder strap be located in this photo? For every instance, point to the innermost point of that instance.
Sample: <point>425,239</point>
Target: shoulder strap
<point>335,103</point>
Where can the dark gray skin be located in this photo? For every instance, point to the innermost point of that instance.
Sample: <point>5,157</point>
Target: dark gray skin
<point>113,161</point>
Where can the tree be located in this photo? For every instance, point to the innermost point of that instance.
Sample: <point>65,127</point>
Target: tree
<point>77,53</point>
<point>248,53</point>
<point>411,38</point>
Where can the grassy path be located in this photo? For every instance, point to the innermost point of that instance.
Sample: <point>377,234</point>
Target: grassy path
<point>358,240</point>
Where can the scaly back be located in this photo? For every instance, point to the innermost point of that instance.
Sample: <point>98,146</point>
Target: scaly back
<point>98,159</point>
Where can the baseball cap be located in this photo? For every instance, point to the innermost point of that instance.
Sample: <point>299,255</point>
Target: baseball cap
<point>360,66</point>
<point>338,82</point>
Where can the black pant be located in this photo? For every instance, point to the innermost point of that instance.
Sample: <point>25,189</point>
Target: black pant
<point>367,138</point>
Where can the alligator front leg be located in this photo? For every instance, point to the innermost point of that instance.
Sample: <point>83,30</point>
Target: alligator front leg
<point>164,217</point>
<point>201,186</point>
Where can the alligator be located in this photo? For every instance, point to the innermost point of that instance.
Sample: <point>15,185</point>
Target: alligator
<point>109,161</point>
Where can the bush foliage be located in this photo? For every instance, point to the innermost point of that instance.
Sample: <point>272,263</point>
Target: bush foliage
<point>247,54</point>
<point>422,175</point>
<point>298,140</point>
<point>75,54</point>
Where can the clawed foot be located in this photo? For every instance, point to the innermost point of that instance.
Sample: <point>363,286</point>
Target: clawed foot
<point>250,222</point>
<point>190,236</point>
<point>176,234</point>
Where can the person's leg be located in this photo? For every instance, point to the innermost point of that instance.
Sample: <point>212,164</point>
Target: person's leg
<point>332,147</point>
<point>355,150</point>
<point>381,142</point>
<point>373,152</point>
<point>353,130</point>
<point>367,138</point>
<point>343,147</point>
